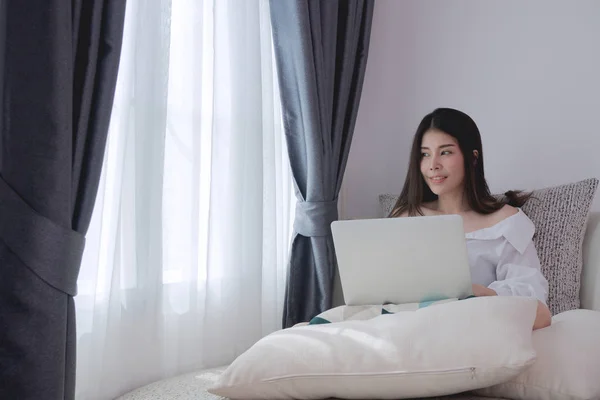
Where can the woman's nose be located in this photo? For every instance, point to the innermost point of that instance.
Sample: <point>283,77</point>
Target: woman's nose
<point>435,165</point>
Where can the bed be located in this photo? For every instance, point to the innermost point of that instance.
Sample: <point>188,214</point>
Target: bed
<point>193,385</point>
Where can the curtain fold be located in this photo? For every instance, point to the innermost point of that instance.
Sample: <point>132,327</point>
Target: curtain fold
<point>321,49</point>
<point>59,75</point>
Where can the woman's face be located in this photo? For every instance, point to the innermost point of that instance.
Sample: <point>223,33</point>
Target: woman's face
<point>442,162</point>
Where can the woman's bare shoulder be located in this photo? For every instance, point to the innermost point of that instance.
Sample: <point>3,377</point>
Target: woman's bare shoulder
<point>503,213</point>
<point>404,214</point>
<point>429,209</point>
<point>425,209</point>
<point>507,211</point>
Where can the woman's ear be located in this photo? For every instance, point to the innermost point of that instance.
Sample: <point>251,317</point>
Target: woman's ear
<point>476,156</point>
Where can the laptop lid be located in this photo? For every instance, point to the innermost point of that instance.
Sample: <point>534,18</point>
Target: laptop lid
<point>402,260</point>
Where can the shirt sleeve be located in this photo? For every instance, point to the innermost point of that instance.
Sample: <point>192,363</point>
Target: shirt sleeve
<point>519,274</point>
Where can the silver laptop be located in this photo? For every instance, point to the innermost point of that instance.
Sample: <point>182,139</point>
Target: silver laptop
<point>402,260</point>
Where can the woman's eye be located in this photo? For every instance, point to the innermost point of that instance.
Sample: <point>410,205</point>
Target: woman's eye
<point>424,154</point>
<point>446,152</point>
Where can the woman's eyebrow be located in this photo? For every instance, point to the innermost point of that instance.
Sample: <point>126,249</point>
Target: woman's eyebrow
<point>441,147</point>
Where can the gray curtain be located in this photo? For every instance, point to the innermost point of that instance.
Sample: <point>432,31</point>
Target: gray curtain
<point>321,52</point>
<point>59,69</point>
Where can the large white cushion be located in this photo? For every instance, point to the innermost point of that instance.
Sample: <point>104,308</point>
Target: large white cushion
<point>568,363</point>
<point>437,350</point>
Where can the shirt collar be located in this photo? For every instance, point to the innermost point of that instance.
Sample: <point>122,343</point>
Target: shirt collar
<point>517,229</point>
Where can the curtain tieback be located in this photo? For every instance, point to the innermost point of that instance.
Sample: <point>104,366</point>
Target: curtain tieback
<point>51,251</point>
<point>314,218</point>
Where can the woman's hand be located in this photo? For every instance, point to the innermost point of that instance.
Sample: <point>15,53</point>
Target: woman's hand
<point>480,291</point>
<point>543,316</point>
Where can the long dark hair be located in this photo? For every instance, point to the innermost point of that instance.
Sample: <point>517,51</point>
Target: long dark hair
<point>462,127</point>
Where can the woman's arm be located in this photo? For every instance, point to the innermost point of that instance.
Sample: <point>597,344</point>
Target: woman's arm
<point>519,274</point>
<point>543,316</point>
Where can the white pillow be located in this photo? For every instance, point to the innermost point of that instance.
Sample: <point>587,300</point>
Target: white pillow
<point>437,350</point>
<point>568,363</point>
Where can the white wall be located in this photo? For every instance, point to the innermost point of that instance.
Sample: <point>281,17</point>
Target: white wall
<point>528,72</point>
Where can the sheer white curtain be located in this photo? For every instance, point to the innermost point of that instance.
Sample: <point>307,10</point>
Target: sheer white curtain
<point>185,260</point>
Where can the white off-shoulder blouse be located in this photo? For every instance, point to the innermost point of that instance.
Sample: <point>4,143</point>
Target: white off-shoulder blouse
<point>503,258</point>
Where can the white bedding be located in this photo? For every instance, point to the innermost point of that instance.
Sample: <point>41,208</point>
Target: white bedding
<point>193,386</point>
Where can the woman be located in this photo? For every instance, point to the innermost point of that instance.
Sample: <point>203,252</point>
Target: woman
<point>446,176</point>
